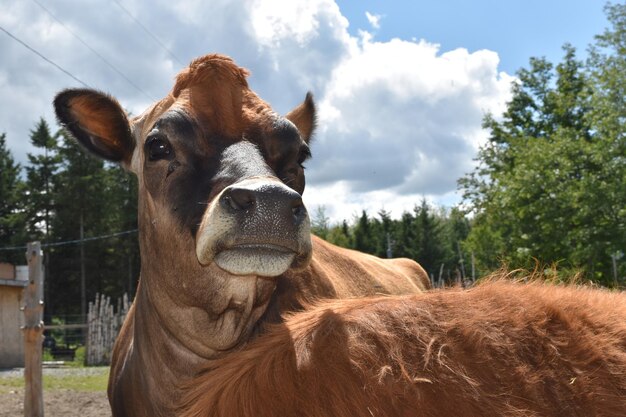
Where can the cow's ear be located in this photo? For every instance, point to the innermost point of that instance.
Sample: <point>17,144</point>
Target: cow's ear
<point>97,121</point>
<point>304,117</point>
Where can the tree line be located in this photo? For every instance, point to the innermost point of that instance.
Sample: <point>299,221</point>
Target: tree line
<point>69,201</point>
<point>548,189</point>
<point>431,235</point>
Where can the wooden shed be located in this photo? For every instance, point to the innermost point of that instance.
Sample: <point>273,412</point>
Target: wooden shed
<point>11,317</point>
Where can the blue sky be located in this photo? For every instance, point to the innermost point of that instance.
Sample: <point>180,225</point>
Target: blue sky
<point>515,29</point>
<point>401,97</point>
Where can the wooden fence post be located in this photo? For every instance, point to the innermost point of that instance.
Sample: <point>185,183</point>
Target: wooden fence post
<point>33,333</point>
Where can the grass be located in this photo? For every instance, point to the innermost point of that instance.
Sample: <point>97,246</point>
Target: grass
<point>91,382</point>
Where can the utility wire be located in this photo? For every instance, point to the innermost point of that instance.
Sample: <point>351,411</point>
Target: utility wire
<point>71,242</point>
<point>94,51</point>
<point>152,35</point>
<point>42,56</point>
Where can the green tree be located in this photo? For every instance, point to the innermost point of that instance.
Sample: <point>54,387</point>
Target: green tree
<point>92,200</point>
<point>39,181</point>
<point>12,218</point>
<point>69,196</point>
<point>405,237</point>
<point>122,214</point>
<point>83,210</point>
<point>607,194</point>
<point>320,223</point>
<point>607,61</point>
<point>386,240</point>
<point>455,229</point>
<point>429,241</point>
<point>429,235</point>
<point>361,234</point>
<point>549,181</point>
<point>340,235</point>
<point>40,199</point>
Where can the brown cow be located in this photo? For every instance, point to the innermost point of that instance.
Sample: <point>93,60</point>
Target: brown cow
<point>224,236</point>
<point>500,349</point>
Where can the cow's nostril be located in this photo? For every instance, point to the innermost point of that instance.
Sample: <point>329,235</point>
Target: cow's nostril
<point>238,199</point>
<point>298,210</point>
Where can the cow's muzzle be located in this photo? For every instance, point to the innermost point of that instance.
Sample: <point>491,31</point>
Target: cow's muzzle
<point>257,226</point>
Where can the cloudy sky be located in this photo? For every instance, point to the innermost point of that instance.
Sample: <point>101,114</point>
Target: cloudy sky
<point>401,86</point>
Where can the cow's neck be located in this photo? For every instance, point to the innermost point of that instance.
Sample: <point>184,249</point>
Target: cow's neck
<point>160,360</point>
<point>161,355</point>
<point>184,314</point>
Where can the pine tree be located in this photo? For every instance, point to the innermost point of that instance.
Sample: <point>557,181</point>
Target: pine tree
<point>81,203</point>
<point>429,250</point>
<point>363,239</point>
<point>386,234</point>
<point>12,218</point>
<point>39,173</point>
<point>340,235</point>
<point>405,237</point>
<point>320,223</point>
<point>40,199</point>
<point>121,190</point>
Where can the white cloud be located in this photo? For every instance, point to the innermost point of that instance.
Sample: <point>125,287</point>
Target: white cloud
<point>398,119</point>
<point>374,19</point>
<point>302,41</point>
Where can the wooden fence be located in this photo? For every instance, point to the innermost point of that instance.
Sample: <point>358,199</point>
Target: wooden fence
<point>104,323</point>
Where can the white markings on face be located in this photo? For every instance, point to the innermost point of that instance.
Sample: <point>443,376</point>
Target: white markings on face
<point>215,224</point>
<point>261,244</point>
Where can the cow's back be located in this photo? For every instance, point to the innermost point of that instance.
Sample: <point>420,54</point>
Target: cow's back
<point>355,274</point>
<point>336,272</point>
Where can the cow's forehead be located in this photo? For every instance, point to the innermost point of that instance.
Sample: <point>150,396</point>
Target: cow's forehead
<point>211,68</point>
<point>213,89</point>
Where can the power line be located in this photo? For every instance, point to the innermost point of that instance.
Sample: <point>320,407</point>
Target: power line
<point>152,35</point>
<point>42,56</point>
<point>71,242</point>
<point>94,51</point>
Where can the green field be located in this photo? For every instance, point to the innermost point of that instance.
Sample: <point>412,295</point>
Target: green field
<point>77,379</point>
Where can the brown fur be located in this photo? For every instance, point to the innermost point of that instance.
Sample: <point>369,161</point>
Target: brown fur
<point>298,116</point>
<point>500,349</point>
<point>186,310</point>
<point>213,88</point>
<point>112,132</point>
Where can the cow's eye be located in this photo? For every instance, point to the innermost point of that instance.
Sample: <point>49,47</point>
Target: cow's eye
<point>305,153</point>
<point>157,148</point>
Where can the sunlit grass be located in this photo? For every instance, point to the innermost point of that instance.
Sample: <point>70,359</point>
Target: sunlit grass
<point>91,382</point>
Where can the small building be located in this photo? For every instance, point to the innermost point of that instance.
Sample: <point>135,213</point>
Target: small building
<point>11,317</point>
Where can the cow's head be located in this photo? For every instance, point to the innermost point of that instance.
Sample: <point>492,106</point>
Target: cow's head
<point>220,183</point>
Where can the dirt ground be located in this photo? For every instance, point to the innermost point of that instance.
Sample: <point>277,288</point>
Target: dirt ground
<point>57,402</point>
<point>61,403</point>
